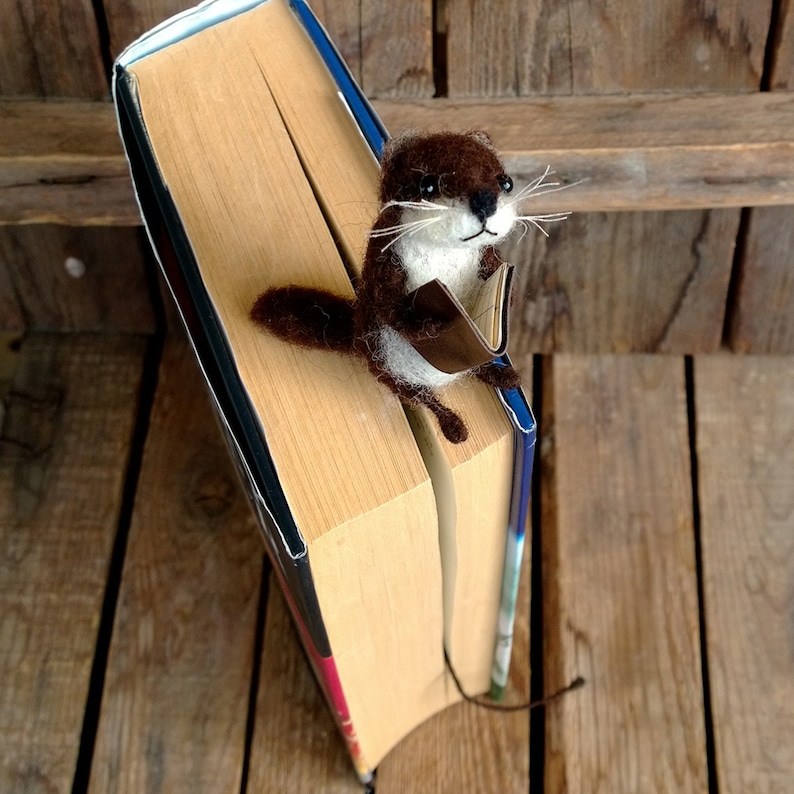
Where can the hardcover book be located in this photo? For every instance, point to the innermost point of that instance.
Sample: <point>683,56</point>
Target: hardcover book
<point>389,542</point>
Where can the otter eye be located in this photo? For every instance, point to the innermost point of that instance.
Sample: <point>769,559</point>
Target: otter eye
<point>505,183</point>
<point>428,186</point>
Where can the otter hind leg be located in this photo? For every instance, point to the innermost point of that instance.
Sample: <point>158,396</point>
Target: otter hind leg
<point>451,424</point>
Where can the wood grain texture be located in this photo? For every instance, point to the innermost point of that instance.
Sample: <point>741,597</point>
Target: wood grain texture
<point>179,672</point>
<point>620,591</point>
<point>51,49</point>
<point>63,162</point>
<point>608,47</point>
<point>63,458</point>
<point>640,151</point>
<point>508,48</point>
<point>782,76</point>
<point>764,305</point>
<point>745,444</point>
<point>763,317</point>
<point>74,279</point>
<point>635,282</point>
<point>396,48</point>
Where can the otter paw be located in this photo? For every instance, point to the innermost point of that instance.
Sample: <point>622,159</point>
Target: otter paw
<point>498,377</point>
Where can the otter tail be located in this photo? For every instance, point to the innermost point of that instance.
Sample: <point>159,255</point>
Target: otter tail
<point>307,317</point>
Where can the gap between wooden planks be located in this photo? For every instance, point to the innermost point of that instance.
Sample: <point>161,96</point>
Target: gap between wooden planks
<point>64,446</point>
<point>620,577</point>
<point>619,572</point>
<point>175,706</point>
<point>62,162</point>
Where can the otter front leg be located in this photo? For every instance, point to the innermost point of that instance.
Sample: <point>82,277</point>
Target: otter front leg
<point>452,426</point>
<point>497,376</point>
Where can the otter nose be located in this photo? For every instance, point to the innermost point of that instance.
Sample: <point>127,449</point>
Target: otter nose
<point>483,204</point>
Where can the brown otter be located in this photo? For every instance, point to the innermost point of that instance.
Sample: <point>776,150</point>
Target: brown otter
<point>444,206</point>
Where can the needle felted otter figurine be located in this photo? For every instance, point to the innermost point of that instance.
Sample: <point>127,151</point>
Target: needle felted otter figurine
<point>445,203</point>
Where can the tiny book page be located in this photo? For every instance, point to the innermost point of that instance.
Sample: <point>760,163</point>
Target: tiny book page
<point>470,337</point>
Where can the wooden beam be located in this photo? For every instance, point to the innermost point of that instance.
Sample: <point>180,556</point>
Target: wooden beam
<point>633,152</point>
<point>62,162</point>
<point>619,585</point>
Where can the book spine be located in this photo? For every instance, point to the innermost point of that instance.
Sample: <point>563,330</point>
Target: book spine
<point>283,540</point>
<point>525,433</point>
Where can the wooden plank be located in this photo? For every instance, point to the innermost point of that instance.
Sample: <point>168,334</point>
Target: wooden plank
<point>74,279</point>
<point>632,152</point>
<point>646,46</point>
<point>620,590</point>
<point>51,49</point>
<point>763,319</point>
<point>63,458</point>
<point>745,443</point>
<point>179,673</point>
<point>764,303</point>
<point>397,48</point>
<point>63,162</point>
<point>509,48</point>
<point>635,282</point>
<point>782,75</point>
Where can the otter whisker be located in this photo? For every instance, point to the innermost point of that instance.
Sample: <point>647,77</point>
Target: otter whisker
<point>538,187</point>
<point>402,230</point>
<point>424,204</point>
<point>537,220</point>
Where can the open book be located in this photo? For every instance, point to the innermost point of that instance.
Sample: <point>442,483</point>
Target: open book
<point>228,113</point>
<point>473,335</point>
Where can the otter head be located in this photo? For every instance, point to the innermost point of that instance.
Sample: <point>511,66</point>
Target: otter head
<point>454,181</point>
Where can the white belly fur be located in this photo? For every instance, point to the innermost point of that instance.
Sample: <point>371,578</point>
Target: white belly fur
<point>404,363</point>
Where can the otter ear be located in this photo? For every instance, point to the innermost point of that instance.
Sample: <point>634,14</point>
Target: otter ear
<point>481,136</point>
<point>399,142</point>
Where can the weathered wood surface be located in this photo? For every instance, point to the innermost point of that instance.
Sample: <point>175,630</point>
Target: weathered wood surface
<point>644,151</point>
<point>63,162</point>
<point>51,49</point>
<point>764,306</point>
<point>635,282</point>
<point>763,314</point>
<point>512,49</point>
<point>619,592</point>
<point>74,279</point>
<point>508,48</point>
<point>745,448</point>
<point>63,455</point>
<point>620,587</point>
<point>179,672</point>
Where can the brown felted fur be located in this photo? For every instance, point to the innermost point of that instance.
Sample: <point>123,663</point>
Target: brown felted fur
<point>462,168</point>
